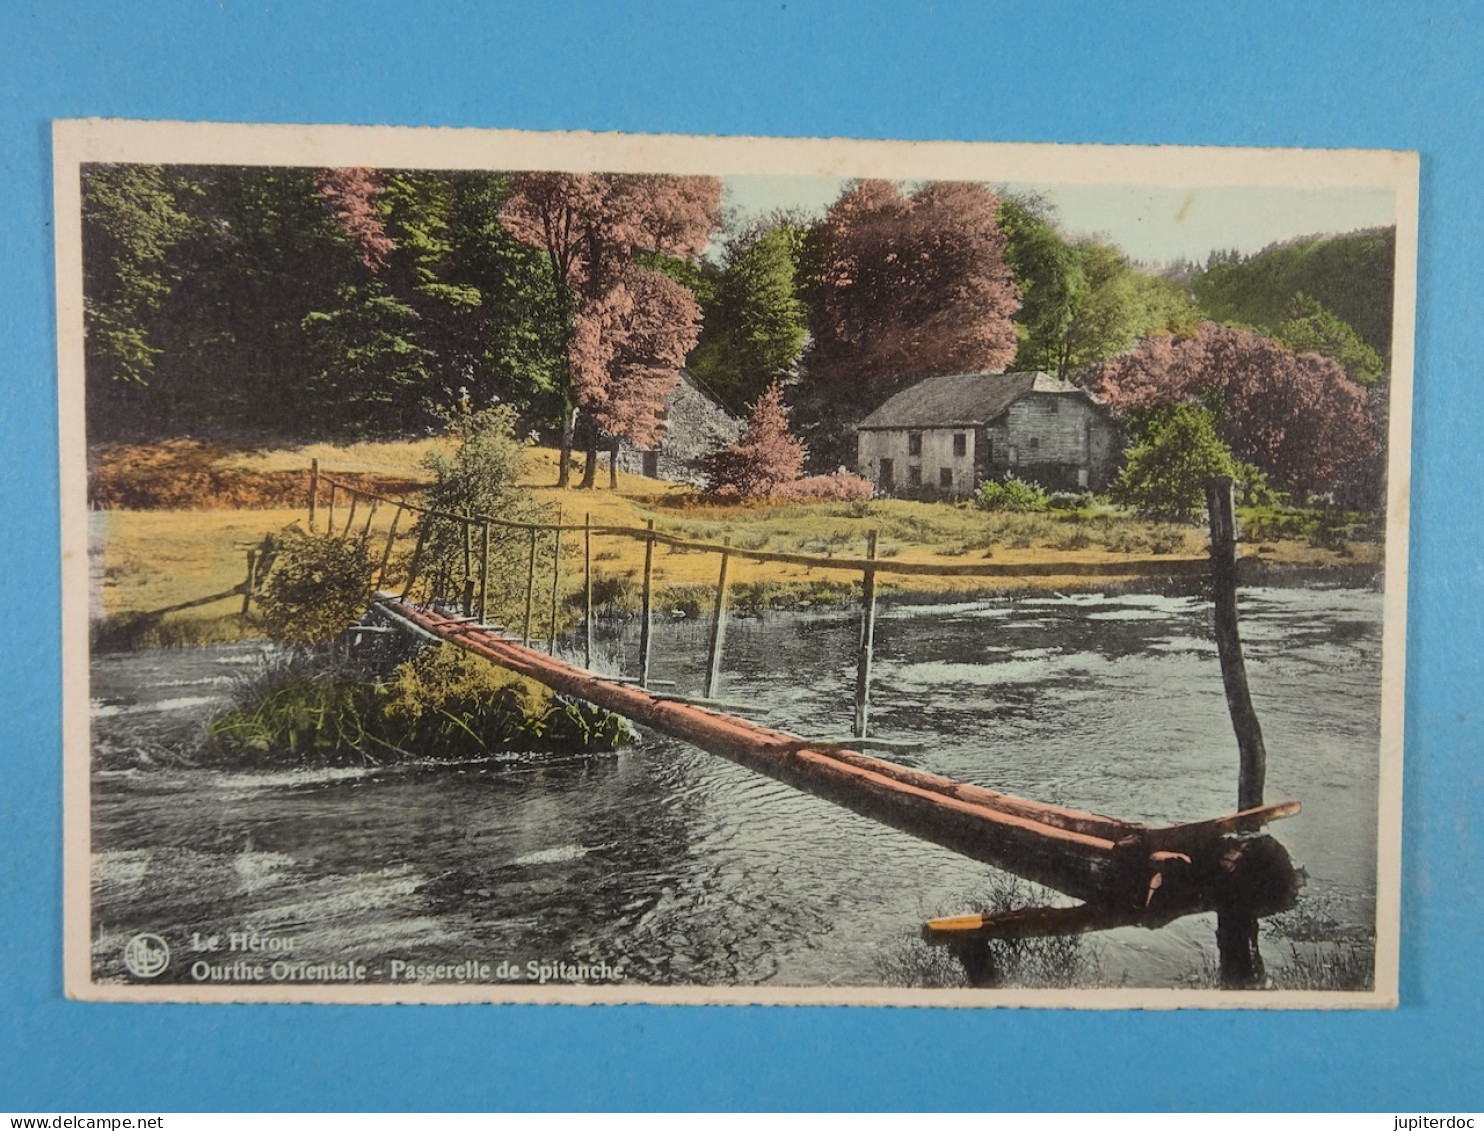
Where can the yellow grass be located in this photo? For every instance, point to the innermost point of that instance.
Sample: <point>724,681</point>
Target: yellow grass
<point>157,560</point>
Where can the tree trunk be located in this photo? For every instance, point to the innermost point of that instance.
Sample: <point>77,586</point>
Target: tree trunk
<point>590,468</point>
<point>569,427</point>
<point>613,465</point>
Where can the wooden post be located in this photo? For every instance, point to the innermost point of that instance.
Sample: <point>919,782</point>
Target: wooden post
<point>417,554</point>
<point>1241,965</point>
<point>252,575</point>
<point>350,518</point>
<point>467,605</point>
<point>468,547</point>
<point>646,613</point>
<point>1236,930</point>
<point>867,640</point>
<point>330,513</point>
<point>391,537</point>
<point>370,518</point>
<point>556,575</point>
<point>587,591</point>
<point>530,588</point>
<point>718,627</point>
<point>484,575</point>
<point>1253,766</point>
<point>313,490</point>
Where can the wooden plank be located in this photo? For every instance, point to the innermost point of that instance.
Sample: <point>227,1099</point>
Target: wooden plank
<point>252,576</point>
<point>587,591</point>
<point>530,587</point>
<point>484,573</point>
<point>646,622</point>
<point>313,491</point>
<point>386,557</point>
<point>867,639</point>
<point>556,578</point>
<point>1035,923</point>
<point>718,626</point>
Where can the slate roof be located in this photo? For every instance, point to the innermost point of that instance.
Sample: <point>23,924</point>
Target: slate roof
<point>962,400</point>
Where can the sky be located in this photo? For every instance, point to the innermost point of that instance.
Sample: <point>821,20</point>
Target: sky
<point>1152,224</point>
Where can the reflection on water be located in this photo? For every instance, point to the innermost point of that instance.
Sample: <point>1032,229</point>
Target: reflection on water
<point>685,868</point>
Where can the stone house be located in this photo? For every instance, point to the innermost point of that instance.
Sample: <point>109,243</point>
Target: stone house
<point>945,435</point>
<point>695,426</point>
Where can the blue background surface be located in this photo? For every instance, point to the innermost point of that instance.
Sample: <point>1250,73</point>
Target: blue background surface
<point>1266,74</point>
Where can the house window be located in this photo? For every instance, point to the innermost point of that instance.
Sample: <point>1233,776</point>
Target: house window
<point>945,477</point>
<point>1035,443</point>
<point>1055,404</point>
<point>960,444</point>
<point>914,475</point>
<point>888,475</point>
<point>914,443</point>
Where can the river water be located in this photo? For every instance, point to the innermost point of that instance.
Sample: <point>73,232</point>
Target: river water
<point>678,867</point>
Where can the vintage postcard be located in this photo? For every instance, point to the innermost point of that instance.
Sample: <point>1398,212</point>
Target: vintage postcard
<point>597,568</point>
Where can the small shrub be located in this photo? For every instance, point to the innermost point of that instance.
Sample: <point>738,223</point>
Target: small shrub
<point>1166,540</point>
<point>318,587</point>
<point>1011,494</point>
<point>1071,500</point>
<point>1126,542</point>
<point>1077,539</point>
<point>612,591</point>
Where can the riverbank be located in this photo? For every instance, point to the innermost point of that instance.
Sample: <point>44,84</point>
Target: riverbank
<point>172,573</point>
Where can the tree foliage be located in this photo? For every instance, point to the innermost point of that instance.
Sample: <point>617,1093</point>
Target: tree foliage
<point>1309,328</point>
<point>1119,307</point>
<point>345,301</point>
<point>593,228</point>
<point>1082,302</point>
<point>1350,276</point>
<point>1296,417</point>
<point>909,283</point>
<point>134,218</point>
<point>1166,472</point>
<point>480,479</point>
<point>319,586</point>
<point>755,323</point>
<point>1052,283</point>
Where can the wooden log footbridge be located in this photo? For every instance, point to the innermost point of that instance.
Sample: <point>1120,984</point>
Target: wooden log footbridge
<point>1124,873</point>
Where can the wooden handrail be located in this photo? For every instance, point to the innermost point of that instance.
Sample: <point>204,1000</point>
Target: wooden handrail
<point>1134,567</point>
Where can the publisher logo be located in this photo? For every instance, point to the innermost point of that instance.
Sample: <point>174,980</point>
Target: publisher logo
<point>146,955</point>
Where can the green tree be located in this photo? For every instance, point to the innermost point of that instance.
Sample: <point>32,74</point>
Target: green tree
<point>1119,307</point>
<point>1052,283</point>
<point>1166,471</point>
<point>132,219</point>
<point>755,322</point>
<point>486,307</point>
<point>1309,328</point>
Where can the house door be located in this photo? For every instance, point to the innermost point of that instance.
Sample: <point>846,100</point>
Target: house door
<point>888,475</point>
<point>652,465</point>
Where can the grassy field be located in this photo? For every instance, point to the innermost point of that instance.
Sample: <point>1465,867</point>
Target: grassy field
<point>171,573</point>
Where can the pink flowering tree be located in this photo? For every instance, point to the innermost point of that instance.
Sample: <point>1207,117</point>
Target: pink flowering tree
<point>630,326</point>
<point>1297,417</point>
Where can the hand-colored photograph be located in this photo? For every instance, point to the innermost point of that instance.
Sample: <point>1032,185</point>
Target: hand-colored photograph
<point>599,568</point>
